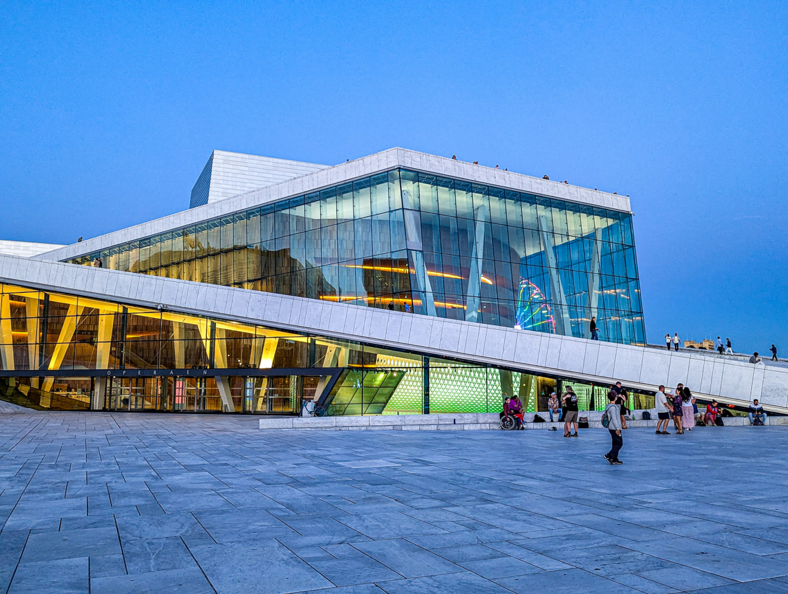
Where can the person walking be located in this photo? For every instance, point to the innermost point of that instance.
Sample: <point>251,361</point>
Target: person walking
<point>663,412</point>
<point>718,344</point>
<point>676,340</point>
<point>667,340</point>
<point>593,329</point>
<point>570,412</point>
<point>613,415</point>
<point>774,353</point>
<point>728,348</point>
<point>687,410</point>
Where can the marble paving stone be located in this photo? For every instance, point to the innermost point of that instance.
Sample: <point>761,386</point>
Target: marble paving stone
<point>465,582</point>
<point>406,558</point>
<point>156,554</point>
<point>236,567</point>
<point>64,576</point>
<point>179,581</point>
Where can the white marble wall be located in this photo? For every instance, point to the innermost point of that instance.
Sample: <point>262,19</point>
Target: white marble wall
<point>338,174</point>
<point>638,367</point>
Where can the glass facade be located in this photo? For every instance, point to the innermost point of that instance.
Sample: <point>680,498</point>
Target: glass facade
<point>64,352</point>
<point>419,243</point>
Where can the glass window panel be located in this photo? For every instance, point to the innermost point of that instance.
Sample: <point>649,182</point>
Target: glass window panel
<point>297,223</point>
<point>500,235</point>
<point>410,189</point>
<point>239,230</point>
<point>448,231</point>
<point>514,212</point>
<point>558,209</point>
<point>464,199</point>
<point>312,247</point>
<point>481,203</point>
<point>446,202</point>
<point>155,252</point>
<point>544,214</point>
<point>631,262</point>
<point>328,206</point>
<point>614,227</point>
<point>528,207</point>
<point>397,230</point>
<point>227,233</point>
<point>516,244</point>
<point>379,196</point>
<point>225,268</point>
<point>134,257</point>
<point>282,220</point>
<point>428,193</point>
<point>267,224</point>
<point>363,238</point>
<point>253,263</point>
<point>626,229</point>
<point>395,194</point>
<point>573,222</point>
<point>361,198</point>
<point>312,211</point>
<point>400,272</point>
<point>239,266</point>
<point>587,220</point>
<point>497,206</point>
<point>381,234</point>
<point>346,241</point>
<point>214,236</point>
<point>430,232</point>
<point>253,227</point>
<point>328,239</point>
<point>177,246</point>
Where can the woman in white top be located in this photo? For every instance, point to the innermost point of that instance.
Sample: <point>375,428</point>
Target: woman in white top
<point>687,410</point>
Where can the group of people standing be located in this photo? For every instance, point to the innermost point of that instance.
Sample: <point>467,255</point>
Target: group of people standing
<point>726,349</point>
<point>679,405</point>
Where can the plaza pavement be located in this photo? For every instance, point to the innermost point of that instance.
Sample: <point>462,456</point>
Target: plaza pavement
<point>175,503</point>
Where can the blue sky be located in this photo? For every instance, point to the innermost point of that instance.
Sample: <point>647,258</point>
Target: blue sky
<point>109,112</point>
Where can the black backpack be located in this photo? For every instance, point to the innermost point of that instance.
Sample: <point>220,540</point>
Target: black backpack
<point>646,415</point>
<point>538,419</point>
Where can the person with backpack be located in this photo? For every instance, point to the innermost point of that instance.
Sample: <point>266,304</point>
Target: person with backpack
<point>611,420</point>
<point>571,411</point>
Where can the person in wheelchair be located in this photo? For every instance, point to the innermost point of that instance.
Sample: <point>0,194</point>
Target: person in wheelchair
<point>516,411</point>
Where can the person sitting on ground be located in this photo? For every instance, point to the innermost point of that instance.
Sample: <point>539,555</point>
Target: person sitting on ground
<point>755,358</point>
<point>757,414</point>
<point>554,407</point>
<point>712,412</point>
<point>516,410</point>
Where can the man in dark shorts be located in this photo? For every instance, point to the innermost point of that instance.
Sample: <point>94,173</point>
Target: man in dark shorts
<point>663,412</point>
<point>570,414</point>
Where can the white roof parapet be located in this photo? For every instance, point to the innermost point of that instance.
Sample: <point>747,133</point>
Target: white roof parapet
<point>338,174</point>
<point>26,249</point>
<point>584,360</point>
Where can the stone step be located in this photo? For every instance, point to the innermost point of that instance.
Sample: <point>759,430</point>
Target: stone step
<point>456,422</point>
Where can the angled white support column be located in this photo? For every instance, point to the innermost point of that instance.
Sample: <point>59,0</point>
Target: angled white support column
<point>6,332</point>
<point>180,347</point>
<point>563,325</point>
<point>33,341</point>
<point>220,362</point>
<point>63,342</point>
<point>473,302</point>
<point>269,351</point>
<point>593,280</point>
<point>106,322</point>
